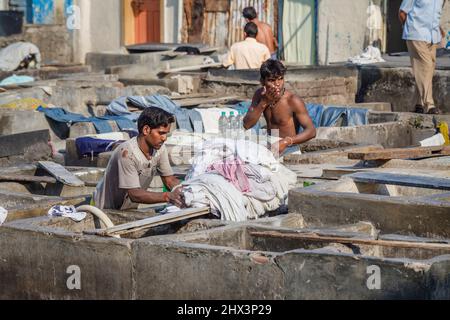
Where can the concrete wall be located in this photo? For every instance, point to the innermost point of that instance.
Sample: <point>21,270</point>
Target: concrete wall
<point>100,27</point>
<point>326,85</point>
<point>341,29</point>
<point>173,10</point>
<point>397,86</point>
<point>223,263</point>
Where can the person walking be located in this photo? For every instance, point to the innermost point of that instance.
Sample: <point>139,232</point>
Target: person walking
<point>422,32</point>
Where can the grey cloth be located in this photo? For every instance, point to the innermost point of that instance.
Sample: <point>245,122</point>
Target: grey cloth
<point>14,54</point>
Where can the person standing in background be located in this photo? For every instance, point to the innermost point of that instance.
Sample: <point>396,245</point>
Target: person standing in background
<point>265,34</point>
<point>422,32</point>
<point>247,54</point>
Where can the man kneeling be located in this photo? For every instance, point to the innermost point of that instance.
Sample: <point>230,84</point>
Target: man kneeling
<point>134,164</point>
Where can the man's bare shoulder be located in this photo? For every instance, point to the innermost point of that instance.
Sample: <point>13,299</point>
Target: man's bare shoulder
<point>294,100</point>
<point>267,26</point>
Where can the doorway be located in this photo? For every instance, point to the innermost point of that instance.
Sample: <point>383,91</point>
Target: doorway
<point>395,43</point>
<point>147,14</point>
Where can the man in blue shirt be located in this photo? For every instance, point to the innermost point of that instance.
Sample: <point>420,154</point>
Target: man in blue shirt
<point>422,32</point>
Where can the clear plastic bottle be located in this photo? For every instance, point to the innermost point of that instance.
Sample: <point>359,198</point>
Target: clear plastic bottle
<point>240,125</point>
<point>223,124</point>
<point>231,125</point>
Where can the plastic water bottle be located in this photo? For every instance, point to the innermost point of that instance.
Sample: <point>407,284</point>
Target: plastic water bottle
<point>223,124</point>
<point>231,125</point>
<point>240,124</point>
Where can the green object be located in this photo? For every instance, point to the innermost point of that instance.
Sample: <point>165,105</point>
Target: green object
<point>307,184</point>
<point>167,190</point>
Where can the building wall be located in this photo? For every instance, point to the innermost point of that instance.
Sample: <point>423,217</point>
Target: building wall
<point>445,18</point>
<point>100,29</point>
<point>173,18</point>
<point>341,29</point>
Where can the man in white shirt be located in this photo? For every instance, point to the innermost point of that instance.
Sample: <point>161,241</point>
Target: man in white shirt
<point>248,54</point>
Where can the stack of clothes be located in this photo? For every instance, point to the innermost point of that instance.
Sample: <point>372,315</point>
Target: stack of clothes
<point>238,179</point>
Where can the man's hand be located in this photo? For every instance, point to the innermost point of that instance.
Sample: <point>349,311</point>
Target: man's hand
<point>176,198</point>
<point>269,96</point>
<point>278,148</point>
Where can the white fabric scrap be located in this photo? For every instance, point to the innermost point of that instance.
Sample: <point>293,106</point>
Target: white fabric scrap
<point>370,55</point>
<point>3,215</point>
<point>435,141</point>
<point>67,212</point>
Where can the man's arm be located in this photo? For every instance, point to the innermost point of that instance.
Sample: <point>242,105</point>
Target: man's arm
<point>309,132</point>
<point>170,182</point>
<point>255,111</point>
<point>299,109</point>
<point>146,197</point>
<point>405,8</point>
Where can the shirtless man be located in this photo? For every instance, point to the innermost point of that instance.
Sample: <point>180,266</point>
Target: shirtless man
<point>265,34</point>
<point>283,110</point>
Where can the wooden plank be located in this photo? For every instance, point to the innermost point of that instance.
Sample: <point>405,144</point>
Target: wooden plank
<point>217,5</point>
<point>196,102</point>
<point>328,239</point>
<point>25,178</point>
<point>402,180</point>
<point>151,222</point>
<point>192,96</point>
<point>61,174</point>
<point>193,68</point>
<point>17,144</point>
<point>399,153</point>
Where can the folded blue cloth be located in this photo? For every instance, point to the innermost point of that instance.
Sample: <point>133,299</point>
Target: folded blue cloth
<point>87,146</point>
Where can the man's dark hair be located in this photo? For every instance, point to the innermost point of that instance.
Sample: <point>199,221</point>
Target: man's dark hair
<point>154,118</point>
<point>249,13</point>
<point>251,29</point>
<point>272,69</point>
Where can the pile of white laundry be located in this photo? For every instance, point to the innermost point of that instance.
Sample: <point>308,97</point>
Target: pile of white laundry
<point>238,179</point>
<point>370,55</point>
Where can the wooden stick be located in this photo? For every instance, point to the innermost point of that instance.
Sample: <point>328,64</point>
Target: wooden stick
<point>193,68</point>
<point>384,243</point>
<point>25,178</point>
<point>150,222</point>
<point>399,153</point>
